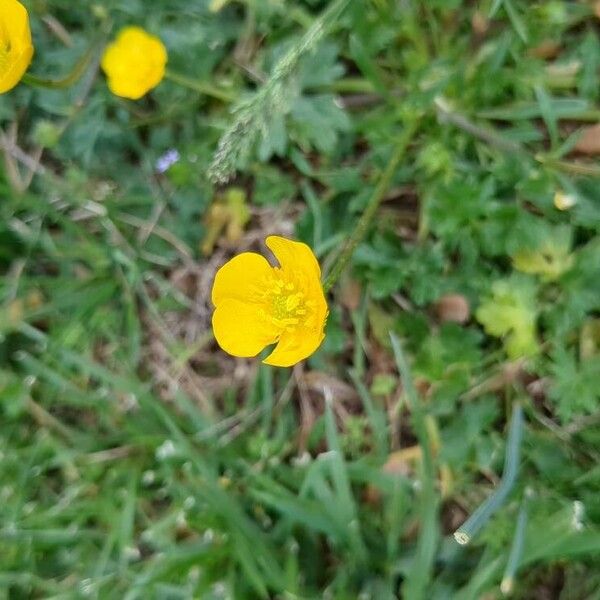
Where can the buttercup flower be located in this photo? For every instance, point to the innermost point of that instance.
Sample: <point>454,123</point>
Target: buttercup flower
<point>16,49</point>
<point>257,305</point>
<point>134,63</point>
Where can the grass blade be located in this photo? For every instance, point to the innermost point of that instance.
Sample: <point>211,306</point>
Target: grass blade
<point>482,515</point>
<point>417,582</point>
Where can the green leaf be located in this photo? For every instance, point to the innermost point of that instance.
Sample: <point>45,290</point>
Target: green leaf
<point>550,259</point>
<point>575,386</point>
<point>509,313</point>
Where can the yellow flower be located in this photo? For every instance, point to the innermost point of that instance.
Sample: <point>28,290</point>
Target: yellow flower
<point>16,49</point>
<point>134,63</point>
<point>257,305</point>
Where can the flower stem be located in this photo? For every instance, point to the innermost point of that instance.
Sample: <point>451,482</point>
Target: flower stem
<point>362,226</point>
<point>200,86</point>
<point>79,68</point>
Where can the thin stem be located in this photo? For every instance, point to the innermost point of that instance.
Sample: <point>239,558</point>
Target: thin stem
<point>493,138</point>
<point>204,87</point>
<point>348,85</point>
<point>482,515</point>
<point>486,134</point>
<point>79,68</point>
<point>575,168</point>
<point>362,226</point>
<point>525,110</point>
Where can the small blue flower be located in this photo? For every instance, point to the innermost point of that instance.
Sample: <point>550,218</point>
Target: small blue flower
<point>167,160</point>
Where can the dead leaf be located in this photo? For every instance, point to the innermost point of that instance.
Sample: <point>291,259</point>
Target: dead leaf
<point>317,381</point>
<point>371,495</point>
<point>589,339</point>
<point>454,308</point>
<point>34,300</point>
<point>564,70</point>
<point>15,311</point>
<point>402,461</point>
<point>350,293</point>
<point>509,373</point>
<point>545,50</point>
<point>479,23</point>
<point>589,142</point>
<point>228,213</point>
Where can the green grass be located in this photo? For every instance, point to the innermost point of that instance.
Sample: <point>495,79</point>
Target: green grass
<point>137,460</point>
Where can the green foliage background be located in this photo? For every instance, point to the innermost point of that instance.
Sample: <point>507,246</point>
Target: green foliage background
<point>113,486</point>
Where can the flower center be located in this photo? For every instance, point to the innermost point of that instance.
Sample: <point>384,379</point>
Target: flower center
<point>285,305</point>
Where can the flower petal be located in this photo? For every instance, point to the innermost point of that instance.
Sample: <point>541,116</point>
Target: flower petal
<point>15,38</point>
<point>294,347</point>
<point>241,277</point>
<point>294,256</point>
<point>15,15</point>
<point>240,329</point>
<point>14,74</point>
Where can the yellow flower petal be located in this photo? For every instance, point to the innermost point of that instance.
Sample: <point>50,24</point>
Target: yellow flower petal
<point>14,74</point>
<point>294,256</point>
<point>240,329</point>
<point>134,63</point>
<point>14,13</point>
<point>16,49</point>
<point>240,278</point>
<point>295,346</point>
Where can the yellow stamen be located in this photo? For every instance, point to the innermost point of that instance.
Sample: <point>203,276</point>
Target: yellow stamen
<point>284,306</point>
